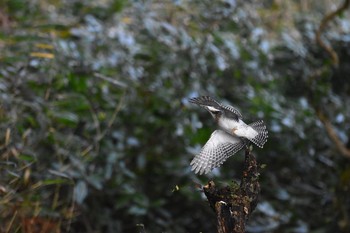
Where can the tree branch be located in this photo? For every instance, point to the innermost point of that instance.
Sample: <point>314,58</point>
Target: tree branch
<point>332,134</point>
<point>324,22</point>
<point>341,147</point>
<point>234,205</point>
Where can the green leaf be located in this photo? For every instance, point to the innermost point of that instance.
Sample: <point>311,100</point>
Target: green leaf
<point>55,181</point>
<point>28,158</point>
<point>66,118</point>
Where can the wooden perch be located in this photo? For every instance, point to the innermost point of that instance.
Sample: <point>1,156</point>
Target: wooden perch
<point>234,205</point>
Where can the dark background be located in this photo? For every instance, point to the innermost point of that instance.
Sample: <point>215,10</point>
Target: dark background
<point>96,132</point>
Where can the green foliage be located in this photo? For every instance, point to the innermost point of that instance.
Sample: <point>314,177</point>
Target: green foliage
<point>96,133</point>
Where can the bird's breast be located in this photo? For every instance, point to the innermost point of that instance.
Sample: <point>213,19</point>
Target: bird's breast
<point>237,128</point>
<point>228,124</point>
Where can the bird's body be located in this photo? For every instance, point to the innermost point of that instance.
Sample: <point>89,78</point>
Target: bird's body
<point>237,128</point>
<point>232,136</point>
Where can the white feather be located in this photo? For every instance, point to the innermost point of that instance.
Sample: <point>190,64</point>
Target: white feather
<point>237,128</point>
<point>219,137</point>
<point>210,108</point>
<point>219,147</point>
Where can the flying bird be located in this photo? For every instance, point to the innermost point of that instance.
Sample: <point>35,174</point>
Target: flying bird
<point>233,134</point>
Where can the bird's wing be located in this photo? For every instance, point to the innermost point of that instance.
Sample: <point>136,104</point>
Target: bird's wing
<point>218,148</point>
<point>262,133</point>
<point>255,132</point>
<point>205,101</point>
<point>233,110</point>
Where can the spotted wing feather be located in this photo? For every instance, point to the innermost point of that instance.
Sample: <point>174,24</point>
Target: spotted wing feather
<point>215,152</point>
<point>260,128</point>
<point>233,110</point>
<point>205,101</point>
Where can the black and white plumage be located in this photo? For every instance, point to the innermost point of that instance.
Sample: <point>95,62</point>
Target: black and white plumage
<point>232,136</point>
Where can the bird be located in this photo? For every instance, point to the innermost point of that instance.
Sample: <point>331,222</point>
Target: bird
<point>232,135</point>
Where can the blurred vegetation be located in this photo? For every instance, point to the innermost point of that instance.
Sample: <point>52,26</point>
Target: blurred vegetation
<point>96,133</point>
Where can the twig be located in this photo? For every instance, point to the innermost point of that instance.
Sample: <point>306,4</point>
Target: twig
<point>110,80</point>
<point>324,22</point>
<point>102,134</point>
<point>114,115</point>
<point>11,222</point>
<point>332,134</point>
<point>344,151</point>
<point>97,126</point>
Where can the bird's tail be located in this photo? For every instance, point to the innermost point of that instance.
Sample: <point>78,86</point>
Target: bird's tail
<point>261,138</point>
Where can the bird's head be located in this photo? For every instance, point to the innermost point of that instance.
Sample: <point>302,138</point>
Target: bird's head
<point>214,112</point>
